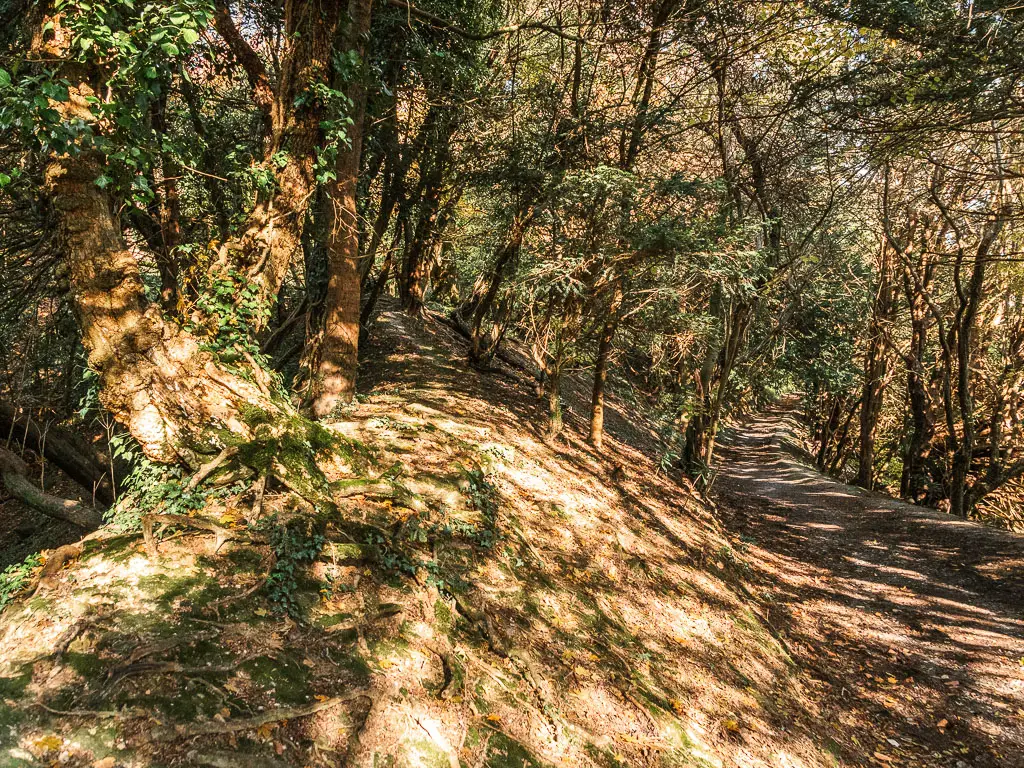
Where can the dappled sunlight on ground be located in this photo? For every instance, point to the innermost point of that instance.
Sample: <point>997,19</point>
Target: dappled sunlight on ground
<point>912,621</point>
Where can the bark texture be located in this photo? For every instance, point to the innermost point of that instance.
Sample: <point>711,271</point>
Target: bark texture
<point>335,380</point>
<point>173,396</point>
<point>604,350</point>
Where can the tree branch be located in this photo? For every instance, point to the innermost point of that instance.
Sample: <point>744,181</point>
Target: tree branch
<point>255,70</point>
<point>440,23</point>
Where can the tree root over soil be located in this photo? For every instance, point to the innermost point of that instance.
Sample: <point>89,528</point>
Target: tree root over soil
<point>191,730</point>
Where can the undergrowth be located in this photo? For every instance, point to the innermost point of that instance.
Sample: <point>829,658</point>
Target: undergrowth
<point>16,578</point>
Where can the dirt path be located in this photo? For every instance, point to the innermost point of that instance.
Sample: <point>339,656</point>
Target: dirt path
<point>911,622</point>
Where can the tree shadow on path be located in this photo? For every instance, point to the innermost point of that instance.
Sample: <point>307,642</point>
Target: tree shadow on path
<point>911,621</point>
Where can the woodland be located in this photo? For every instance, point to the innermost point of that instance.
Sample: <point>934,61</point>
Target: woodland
<point>693,208</point>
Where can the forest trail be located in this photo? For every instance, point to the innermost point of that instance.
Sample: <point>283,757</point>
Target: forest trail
<point>910,622</point>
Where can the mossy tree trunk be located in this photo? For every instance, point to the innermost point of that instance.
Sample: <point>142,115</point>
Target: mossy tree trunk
<point>271,236</point>
<point>176,398</point>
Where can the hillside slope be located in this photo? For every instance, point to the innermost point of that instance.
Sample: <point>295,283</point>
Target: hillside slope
<point>519,604</point>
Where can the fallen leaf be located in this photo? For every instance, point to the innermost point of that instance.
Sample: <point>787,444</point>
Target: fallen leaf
<point>494,718</point>
<point>942,723</point>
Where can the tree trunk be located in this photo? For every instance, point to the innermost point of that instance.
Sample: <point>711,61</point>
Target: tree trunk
<point>259,256</point>
<point>553,390</point>
<point>59,447</point>
<point>334,383</point>
<point>876,366</point>
<point>156,379</point>
<point>486,289</point>
<point>604,349</point>
<point>922,426</point>
<point>961,499</point>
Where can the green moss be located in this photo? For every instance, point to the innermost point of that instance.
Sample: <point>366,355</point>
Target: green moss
<point>10,715</point>
<point>40,604</point>
<point>504,752</point>
<point>88,665</point>
<point>425,752</point>
<point>166,589</point>
<point>176,702</point>
<point>116,549</point>
<point>443,616</point>
<point>356,666</point>
<point>96,738</point>
<point>285,674</point>
<point>14,687</point>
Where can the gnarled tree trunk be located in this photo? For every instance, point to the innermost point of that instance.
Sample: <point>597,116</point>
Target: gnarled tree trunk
<point>173,396</point>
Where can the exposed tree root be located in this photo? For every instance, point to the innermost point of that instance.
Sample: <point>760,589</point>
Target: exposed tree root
<point>483,623</point>
<point>55,561</point>
<point>148,521</point>
<point>211,466</point>
<point>173,667</point>
<point>191,730</point>
<point>143,651</point>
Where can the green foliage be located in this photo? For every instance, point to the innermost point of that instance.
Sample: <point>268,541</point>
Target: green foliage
<point>150,488</point>
<point>138,47</point>
<point>335,106</point>
<point>230,306</point>
<point>16,578</point>
<point>295,544</point>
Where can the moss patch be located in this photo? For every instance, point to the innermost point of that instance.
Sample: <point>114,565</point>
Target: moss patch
<point>288,678</point>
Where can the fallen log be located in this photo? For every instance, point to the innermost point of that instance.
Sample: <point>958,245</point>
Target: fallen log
<point>62,448</point>
<point>14,474</point>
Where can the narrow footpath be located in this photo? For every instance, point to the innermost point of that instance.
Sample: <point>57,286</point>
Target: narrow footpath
<point>911,622</point>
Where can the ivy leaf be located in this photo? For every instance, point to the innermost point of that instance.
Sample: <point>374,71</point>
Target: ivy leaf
<point>169,48</point>
<point>103,181</point>
<point>190,36</point>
